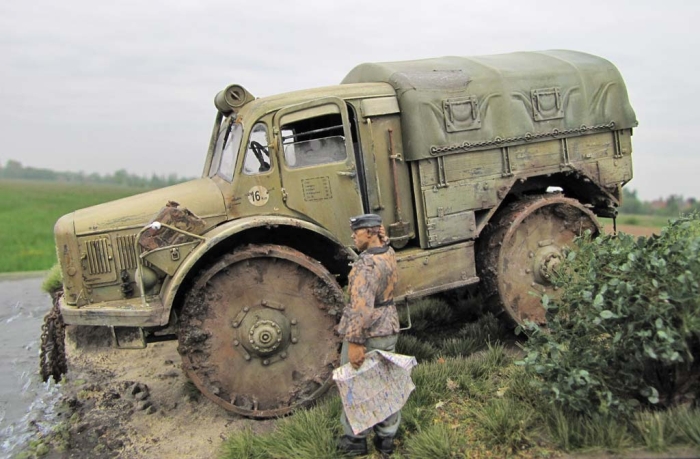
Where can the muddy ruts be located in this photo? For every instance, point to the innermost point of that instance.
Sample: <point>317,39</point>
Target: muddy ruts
<point>52,359</point>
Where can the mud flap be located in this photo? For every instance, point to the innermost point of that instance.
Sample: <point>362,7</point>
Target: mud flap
<point>128,337</point>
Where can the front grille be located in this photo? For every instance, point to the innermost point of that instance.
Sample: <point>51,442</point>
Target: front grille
<point>127,252</point>
<point>98,256</point>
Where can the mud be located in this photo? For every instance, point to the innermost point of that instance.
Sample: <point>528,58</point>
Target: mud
<point>135,404</point>
<point>178,217</point>
<point>329,297</point>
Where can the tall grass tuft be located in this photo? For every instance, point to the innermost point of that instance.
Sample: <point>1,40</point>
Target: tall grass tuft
<point>426,314</point>
<point>435,442</point>
<point>608,432</point>
<point>521,387</point>
<point>307,434</point>
<point>458,347</point>
<point>495,356</point>
<point>505,422</point>
<point>688,422</point>
<point>563,430</point>
<point>487,329</point>
<point>421,350</point>
<point>53,280</point>
<point>571,431</point>
<point>656,429</point>
<point>243,445</point>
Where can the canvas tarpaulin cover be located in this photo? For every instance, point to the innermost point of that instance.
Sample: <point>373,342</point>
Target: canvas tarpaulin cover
<point>490,101</point>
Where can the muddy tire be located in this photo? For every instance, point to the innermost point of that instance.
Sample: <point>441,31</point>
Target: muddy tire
<point>522,245</point>
<point>257,331</point>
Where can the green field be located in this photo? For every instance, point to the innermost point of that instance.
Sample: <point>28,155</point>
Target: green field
<point>636,225</point>
<point>29,210</point>
<point>655,221</point>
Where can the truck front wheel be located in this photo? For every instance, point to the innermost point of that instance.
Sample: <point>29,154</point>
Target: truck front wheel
<point>521,247</point>
<point>257,330</point>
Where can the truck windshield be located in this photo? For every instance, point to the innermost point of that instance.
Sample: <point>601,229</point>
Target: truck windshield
<point>226,150</point>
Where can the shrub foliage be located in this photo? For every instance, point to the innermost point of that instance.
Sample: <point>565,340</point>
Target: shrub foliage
<point>625,329</point>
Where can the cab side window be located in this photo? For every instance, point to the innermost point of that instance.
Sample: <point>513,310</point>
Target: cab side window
<point>314,141</point>
<point>257,156</point>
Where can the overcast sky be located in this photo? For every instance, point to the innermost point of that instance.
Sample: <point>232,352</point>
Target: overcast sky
<point>100,86</point>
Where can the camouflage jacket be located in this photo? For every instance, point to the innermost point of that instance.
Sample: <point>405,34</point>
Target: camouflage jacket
<point>371,287</point>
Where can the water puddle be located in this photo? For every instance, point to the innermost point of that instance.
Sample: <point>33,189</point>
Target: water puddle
<point>25,401</point>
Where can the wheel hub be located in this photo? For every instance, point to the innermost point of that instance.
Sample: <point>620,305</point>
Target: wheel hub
<point>264,331</point>
<point>265,336</point>
<point>546,261</point>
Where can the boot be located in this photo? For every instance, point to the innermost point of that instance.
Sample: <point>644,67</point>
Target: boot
<point>384,445</point>
<point>352,446</point>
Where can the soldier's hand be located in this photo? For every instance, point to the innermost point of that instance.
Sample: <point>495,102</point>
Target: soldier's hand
<point>356,355</point>
<point>382,235</point>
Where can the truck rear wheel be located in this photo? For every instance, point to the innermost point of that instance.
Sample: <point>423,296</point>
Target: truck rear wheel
<point>257,331</point>
<point>520,248</point>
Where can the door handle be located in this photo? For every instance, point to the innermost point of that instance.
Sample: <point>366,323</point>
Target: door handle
<point>350,173</point>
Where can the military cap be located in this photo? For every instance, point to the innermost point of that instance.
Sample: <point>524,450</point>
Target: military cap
<point>365,221</point>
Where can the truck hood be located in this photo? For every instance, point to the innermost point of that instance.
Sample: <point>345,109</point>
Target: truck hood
<point>202,197</point>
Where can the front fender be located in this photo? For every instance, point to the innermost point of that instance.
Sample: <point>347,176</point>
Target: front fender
<point>225,231</point>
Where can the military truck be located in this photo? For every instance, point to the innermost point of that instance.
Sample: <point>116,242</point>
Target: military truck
<point>482,168</point>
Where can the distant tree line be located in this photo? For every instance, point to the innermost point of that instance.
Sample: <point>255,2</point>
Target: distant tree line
<point>14,170</point>
<point>671,206</point>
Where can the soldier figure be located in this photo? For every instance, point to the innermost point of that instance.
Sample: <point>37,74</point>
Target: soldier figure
<point>370,321</point>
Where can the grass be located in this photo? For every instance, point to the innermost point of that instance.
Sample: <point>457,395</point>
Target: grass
<point>504,422</point>
<point>437,441</point>
<point>688,422</point>
<point>471,400</point>
<point>53,280</point>
<point>655,429</point>
<point>28,211</point>
<point>655,221</point>
<point>307,434</point>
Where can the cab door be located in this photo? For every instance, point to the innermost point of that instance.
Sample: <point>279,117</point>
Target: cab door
<point>319,174</point>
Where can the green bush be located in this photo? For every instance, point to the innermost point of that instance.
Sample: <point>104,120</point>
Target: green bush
<point>625,329</point>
